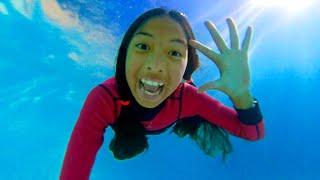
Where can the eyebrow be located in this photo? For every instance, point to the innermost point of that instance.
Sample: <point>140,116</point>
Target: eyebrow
<point>179,41</point>
<point>144,33</point>
<point>172,40</point>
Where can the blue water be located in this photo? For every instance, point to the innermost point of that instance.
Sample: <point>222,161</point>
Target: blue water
<point>49,61</point>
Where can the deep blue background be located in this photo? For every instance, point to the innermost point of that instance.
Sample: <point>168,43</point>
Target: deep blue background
<point>47,70</point>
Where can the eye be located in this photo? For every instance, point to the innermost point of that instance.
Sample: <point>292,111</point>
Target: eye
<point>142,46</point>
<point>175,53</point>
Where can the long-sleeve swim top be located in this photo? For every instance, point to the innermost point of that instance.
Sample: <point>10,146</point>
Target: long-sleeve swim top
<point>103,105</point>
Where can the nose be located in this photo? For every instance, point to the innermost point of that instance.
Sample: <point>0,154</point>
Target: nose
<point>156,63</point>
<point>149,68</point>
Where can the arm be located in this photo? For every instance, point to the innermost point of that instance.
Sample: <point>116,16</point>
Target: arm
<point>87,135</point>
<point>244,123</point>
<point>234,81</point>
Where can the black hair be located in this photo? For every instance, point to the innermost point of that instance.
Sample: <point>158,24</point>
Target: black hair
<point>130,135</point>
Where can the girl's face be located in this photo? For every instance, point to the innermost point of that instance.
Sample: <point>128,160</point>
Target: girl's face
<point>156,60</point>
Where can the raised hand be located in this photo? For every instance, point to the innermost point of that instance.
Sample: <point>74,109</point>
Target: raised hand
<point>232,62</point>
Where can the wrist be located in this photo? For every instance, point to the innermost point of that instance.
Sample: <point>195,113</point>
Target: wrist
<point>243,100</point>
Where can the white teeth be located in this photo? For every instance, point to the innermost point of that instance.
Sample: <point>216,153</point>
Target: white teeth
<point>151,83</point>
<point>150,93</point>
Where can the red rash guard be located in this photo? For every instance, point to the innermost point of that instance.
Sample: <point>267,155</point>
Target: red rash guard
<point>103,105</point>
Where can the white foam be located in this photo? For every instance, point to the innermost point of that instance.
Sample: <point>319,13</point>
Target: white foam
<point>24,7</point>
<point>3,9</point>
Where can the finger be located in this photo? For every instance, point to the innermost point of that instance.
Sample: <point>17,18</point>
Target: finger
<point>205,50</point>
<point>221,44</point>
<point>234,38</point>
<point>206,87</point>
<point>211,86</point>
<point>247,39</point>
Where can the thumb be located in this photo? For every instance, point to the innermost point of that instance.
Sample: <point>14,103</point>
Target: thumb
<point>212,85</point>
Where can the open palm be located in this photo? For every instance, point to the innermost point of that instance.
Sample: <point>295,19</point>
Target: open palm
<point>232,62</point>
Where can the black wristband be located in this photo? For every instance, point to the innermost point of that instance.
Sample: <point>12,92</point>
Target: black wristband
<point>250,116</point>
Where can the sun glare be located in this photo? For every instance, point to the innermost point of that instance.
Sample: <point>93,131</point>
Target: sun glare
<point>291,6</point>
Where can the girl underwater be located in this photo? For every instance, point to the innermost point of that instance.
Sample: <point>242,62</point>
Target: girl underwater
<point>153,90</point>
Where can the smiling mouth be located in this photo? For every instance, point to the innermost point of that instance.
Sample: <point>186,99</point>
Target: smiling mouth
<point>150,90</point>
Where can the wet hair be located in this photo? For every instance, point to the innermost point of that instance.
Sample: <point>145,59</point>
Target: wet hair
<point>130,135</point>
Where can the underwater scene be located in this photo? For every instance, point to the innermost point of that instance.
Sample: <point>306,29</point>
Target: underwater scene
<point>54,52</point>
